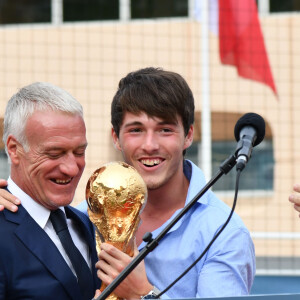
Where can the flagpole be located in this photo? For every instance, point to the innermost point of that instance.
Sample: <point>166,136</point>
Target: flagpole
<point>205,152</point>
<point>57,12</point>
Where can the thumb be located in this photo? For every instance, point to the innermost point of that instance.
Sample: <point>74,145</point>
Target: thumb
<point>135,249</point>
<point>97,294</point>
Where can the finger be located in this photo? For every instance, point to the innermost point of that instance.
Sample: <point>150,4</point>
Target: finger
<point>291,198</point>
<point>3,183</point>
<point>112,251</point>
<point>294,199</point>
<point>109,264</point>
<point>8,205</point>
<point>106,267</point>
<point>103,255</point>
<point>108,248</point>
<point>6,198</point>
<point>297,207</point>
<point>296,187</point>
<point>97,294</point>
<point>106,277</point>
<point>135,249</point>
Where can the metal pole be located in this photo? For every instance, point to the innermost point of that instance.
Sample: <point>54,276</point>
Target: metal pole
<point>125,10</point>
<point>57,12</point>
<point>206,113</point>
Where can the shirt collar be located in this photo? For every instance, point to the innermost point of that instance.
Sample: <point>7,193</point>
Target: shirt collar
<point>38,212</point>
<point>187,169</point>
<point>197,182</point>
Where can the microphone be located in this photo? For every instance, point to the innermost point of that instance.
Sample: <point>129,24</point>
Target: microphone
<point>249,131</point>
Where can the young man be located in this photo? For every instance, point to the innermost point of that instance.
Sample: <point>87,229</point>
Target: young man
<point>152,116</point>
<point>45,139</point>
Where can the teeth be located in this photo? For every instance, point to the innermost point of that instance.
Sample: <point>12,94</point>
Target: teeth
<point>151,162</point>
<point>60,181</point>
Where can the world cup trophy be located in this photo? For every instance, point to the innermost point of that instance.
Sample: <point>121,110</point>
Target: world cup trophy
<point>116,195</point>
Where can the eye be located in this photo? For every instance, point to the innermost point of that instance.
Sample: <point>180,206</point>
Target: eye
<point>54,155</point>
<point>79,153</point>
<point>166,130</point>
<point>133,130</point>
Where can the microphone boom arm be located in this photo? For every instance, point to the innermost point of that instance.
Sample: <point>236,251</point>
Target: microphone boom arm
<point>224,168</point>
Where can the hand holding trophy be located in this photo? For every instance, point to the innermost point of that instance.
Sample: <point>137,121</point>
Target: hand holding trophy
<point>116,195</point>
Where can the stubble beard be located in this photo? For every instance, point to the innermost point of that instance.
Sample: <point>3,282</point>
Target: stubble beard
<point>156,183</point>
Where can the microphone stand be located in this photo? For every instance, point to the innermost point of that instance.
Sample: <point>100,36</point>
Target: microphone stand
<point>224,168</point>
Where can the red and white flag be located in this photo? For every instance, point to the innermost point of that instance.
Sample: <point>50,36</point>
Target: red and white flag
<point>241,42</point>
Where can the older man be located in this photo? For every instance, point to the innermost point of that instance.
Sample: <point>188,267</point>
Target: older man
<point>47,248</point>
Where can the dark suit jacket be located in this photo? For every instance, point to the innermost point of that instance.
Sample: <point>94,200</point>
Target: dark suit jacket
<point>31,266</point>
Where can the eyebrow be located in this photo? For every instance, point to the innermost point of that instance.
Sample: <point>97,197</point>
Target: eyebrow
<point>62,148</point>
<point>168,123</point>
<point>137,123</point>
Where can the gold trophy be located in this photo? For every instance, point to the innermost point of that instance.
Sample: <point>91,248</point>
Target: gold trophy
<point>116,195</point>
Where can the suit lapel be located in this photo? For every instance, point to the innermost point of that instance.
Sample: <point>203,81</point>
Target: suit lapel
<point>41,246</point>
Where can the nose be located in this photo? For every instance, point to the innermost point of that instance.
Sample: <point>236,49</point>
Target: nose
<point>150,142</point>
<point>69,165</point>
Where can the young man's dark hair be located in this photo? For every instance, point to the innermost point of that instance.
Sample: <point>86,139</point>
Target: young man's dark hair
<point>156,92</point>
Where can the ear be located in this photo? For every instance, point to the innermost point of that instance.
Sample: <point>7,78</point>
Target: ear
<point>13,149</point>
<point>115,139</point>
<point>189,137</point>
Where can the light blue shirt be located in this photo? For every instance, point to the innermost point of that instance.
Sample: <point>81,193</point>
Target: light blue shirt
<point>227,269</point>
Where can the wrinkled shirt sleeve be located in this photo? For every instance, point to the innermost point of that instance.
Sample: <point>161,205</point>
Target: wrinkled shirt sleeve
<point>228,266</point>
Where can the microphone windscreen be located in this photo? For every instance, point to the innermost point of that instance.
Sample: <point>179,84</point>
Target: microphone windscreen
<point>254,120</point>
